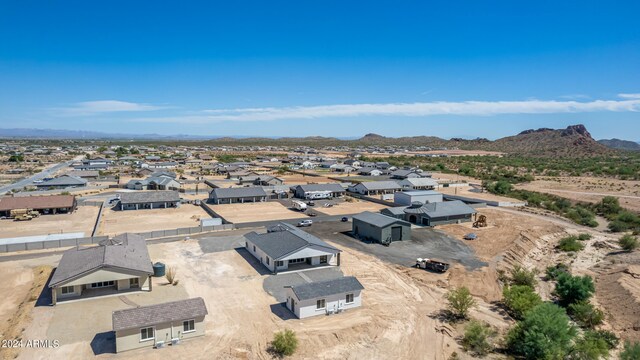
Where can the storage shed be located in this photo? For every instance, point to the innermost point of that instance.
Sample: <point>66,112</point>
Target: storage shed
<point>406,198</point>
<point>380,228</point>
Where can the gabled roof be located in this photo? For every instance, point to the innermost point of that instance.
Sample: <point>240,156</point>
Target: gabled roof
<point>320,289</point>
<point>127,252</point>
<point>139,197</point>
<point>333,187</point>
<point>448,208</point>
<point>285,239</point>
<point>367,169</point>
<point>158,314</point>
<point>240,192</point>
<point>64,180</point>
<point>36,202</point>
<point>378,220</point>
<point>421,181</point>
<point>380,185</point>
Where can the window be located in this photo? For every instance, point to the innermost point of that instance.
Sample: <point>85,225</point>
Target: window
<point>188,326</point>
<point>323,259</point>
<point>320,304</point>
<point>134,282</point>
<point>102,284</point>
<point>67,290</point>
<point>349,298</point>
<point>279,263</point>
<point>296,261</point>
<point>146,334</point>
<point>267,260</point>
<point>254,248</point>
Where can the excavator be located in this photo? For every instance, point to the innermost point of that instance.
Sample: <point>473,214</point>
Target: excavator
<point>481,222</point>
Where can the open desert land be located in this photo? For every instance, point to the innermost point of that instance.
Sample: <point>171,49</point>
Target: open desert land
<point>345,207</point>
<point>468,191</point>
<point>259,211</point>
<point>81,220</point>
<point>115,222</point>
<point>300,179</point>
<point>589,189</point>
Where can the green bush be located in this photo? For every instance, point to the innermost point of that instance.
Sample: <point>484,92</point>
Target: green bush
<point>609,206</point>
<point>522,276</point>
<point>570,243</point>
<point>610,338</point>
<point>545,333</point>
<point>628,243</point>
<point>589,347</point>
<point>572,289</point>
<point>459,302</point>
<point>631,351</point>
<point>553,272</point>
<point>519,299</point>
<point>284,343</point>
<point>478,338</point>
<point>584,236</point>
<point>585,314</point>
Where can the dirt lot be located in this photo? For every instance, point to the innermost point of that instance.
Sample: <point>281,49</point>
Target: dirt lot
<point>81,220</point>
<point>260,211</point>
<point>469,191</point>
<point>588,189</point>
<point>346,208</point>
<point>117,222</point>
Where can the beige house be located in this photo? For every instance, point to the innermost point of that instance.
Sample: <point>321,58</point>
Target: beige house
<point>117,265</point>
<point>159,325</point>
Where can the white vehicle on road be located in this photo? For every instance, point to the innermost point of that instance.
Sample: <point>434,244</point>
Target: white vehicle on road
<point>305,223</point>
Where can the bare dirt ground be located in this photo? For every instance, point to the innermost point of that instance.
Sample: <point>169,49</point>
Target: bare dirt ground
<point>345,208</point>
<point>259,211</point>
<point>472,193</point>
<point>589,189</point>
<point>117,222</point>
<point>81,220</point>
<point>296,179</point>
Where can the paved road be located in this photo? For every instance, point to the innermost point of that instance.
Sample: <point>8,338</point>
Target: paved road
<point>48,172</point>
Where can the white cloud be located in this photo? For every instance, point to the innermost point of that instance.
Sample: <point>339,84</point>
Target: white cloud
<point>103,106</point>
<point>629,96</point>
<point>420,109</point>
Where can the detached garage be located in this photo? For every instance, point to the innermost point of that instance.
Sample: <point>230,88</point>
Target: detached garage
<point>380,228</point>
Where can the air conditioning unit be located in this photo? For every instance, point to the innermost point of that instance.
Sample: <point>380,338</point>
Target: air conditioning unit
<point>175,341</point>
<point>159,344</point>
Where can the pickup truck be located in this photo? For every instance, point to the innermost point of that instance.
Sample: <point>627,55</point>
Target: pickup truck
<point>433,265</point>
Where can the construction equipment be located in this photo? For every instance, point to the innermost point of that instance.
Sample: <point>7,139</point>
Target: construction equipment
<point>481,222</point>
<point>23,217</point>
<point>433,265</point>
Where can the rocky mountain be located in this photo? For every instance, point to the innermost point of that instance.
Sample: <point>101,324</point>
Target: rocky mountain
<point>620,144</point>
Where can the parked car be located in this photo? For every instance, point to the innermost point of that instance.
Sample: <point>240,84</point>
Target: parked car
<point>305,223</point>
<point>310,203</point>
<point>344,219</point>
<point>39,181</point>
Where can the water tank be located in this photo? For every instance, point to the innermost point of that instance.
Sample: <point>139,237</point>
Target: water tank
<point>158,269</point>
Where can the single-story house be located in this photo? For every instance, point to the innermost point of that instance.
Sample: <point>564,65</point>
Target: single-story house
<point>380,228</point>
<point>352,162</point>
<point>406,198</point>
<point>422,183</point>
<point>62,182</point>
<point>160,165</point>
<point>383,165</point>
<point>375,187</point>
<point>285,247</point>
<point>343,168</point>
<point>405,174</point>
<point>162,182</point>
<point>116,265</point>
<point>160,199</point>
<point>324,297</point>
<point>318,191</point>
<point>237,195</point>
<point>85,174</point>
<point>52,204</point>
<point>268,180</point>
<point>87,166</point>
<point>158,325</point>
<point>438,213</point>
<point>370,171</point>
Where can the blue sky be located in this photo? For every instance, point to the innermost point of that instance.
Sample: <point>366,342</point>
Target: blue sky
<point>332,68</point>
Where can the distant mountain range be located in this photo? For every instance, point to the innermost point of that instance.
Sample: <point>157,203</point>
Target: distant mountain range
<point>574,141</point>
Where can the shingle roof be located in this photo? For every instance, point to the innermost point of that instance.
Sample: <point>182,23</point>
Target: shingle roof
<point>322,289</point>
<point>380,185</point>
<point>285,239</point>
<point>158,314</point>
<point>139,197</point>
<point>36,202</point>
<point>128,252</point>
<point>378,219</point>
<point>230,193</point>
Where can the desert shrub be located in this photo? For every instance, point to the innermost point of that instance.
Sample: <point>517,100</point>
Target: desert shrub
<point>284,343</point>
<point>519,299</point>
<point>609,206</point>
<point>553,272</point>
<point>610,338</point>
<point>478,338</point>
<point>583,216</point>
<point>572,289</point>
<point>170,275</point>
<point>522,276</point>
<point>544,333</point>
<point>570,243</point>
<point>585,314</point>
<point>584,236</point>
<point>631,351</point>
<point>459,302</point>
<point>628,243</point>
<point>618,226</point>
<point>589,347</point>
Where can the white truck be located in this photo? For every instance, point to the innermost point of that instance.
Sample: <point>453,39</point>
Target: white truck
<point>299,205</point>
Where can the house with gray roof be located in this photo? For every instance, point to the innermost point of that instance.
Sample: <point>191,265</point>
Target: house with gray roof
<point>160,324</point>
<point>62,182</point>
<point>154,182</point>
<point>118,265</point>
<point>432,214</point>
<point>421,183</point>
<point>237,195</point>
<point>375,187</point>
<point>380,228</point>
<point>318,191</point>
<point>159,199</point>
<point>285,247</point>
<point>324,297</point>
